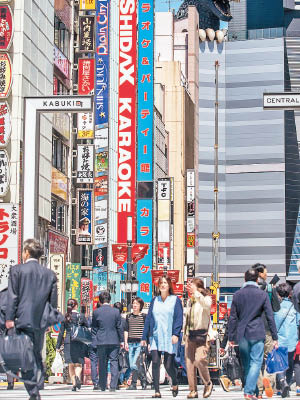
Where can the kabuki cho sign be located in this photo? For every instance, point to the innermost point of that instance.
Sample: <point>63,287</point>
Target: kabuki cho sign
<point>6,28</point>
<point>126,117</point>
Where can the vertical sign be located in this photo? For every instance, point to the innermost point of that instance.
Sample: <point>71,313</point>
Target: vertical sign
<point>73,282</point>
<point>144,235</point>
<point>102,62</point>
<point>145,90</point>
<point>86,76</point>
<point>87,5</point>
<point>126,117</point>
<point>57,266</point>
<point>85,219</point>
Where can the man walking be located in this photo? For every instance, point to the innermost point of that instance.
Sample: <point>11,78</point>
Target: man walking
<point>30,287</point>
<point>246,327</point>
<point>107,336</point>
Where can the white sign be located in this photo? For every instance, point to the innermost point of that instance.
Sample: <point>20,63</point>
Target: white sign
<point>9,239</point>
<point>61,103</point>
<point>85,126</point>
<point>287,100</point>
<point>4,173</point>
<point>163,188</point>
<point>100,236</point>
<point>85,163</point>
<point>57,266</point>
<point>5,124</point>
<point>190,177</point>
<point>190,225</point>
<point>101,138</point>
<point>190,194</point>
<point>100,209</point>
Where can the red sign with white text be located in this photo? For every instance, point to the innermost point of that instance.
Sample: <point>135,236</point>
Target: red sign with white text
<point>6,27</point>
<point>139,251</point>
<point>127,117</point>
<point>119,254</point>
<point>86,76</point>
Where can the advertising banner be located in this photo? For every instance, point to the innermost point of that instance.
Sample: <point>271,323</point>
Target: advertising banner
<point>163,251</point>
<point>85,163</point>
<point>119,252</point>
<point>85,126</point>
<point>6,28</point>
<point>4,173</point>
<point>163,189</point>
<point>86,76</point>
<point>222,310</point>
<point>190,225</point>
<point>99,280</point>
<point>86,291</point>
<point>100,209</point>
<point>145,90</point>
<point>5,75</point>
<point>101,138</point>
<point>87,4</point>
<point>84,223</point>
<point>9,240</point>
<point>126,118</point>
<point>73,277</point>
<point>173,274</point>
<point>86,33</point>
<point>59,184</point>
<point>100,236</point>
<point>61,62</point>
<point>57,263</point>
<point>101,185</point>
<point>190,240</point>
<point>191,270</point>
<point>145,235</point>
<point>102,62</point>
<point>100,257</point>
<point>101,162</point>
<point>190,177</point>
<point>139,251</point>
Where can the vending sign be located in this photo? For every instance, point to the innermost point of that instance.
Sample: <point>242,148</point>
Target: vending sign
<point>126,169</point>
<point>9,240</point>
<point>5,75</point>
<point>145,90</point>
<point>84,231</point>
<point>86,76</point>
<point>85,163</point>
<point>6,28</point>
<point>5,124</point>
<point>145,235</point>
<point>102,62</point>
<point>86,33</point>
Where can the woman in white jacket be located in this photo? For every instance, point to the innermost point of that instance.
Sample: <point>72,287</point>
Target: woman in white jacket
<point>196,340</point>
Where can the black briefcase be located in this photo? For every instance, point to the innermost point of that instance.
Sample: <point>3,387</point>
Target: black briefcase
<point>16,352</point>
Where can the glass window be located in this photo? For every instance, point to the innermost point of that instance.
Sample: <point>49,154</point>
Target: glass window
<point>60,153</point>
<point>61,37</point>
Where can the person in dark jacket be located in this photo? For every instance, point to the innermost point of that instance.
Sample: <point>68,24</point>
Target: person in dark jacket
<point>93,356</point>
<point>162,328</point>
<point>74,351</point>
<point>108,336</point>
<point>30,287</point>
<point>246,327</point>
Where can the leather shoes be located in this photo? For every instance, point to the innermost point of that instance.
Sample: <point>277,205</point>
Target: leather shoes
<point>35,397</point>
<point>96,387</point>
<point>192,395</point>
<point>207,390</point>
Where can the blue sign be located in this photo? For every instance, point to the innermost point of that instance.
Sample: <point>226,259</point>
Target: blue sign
<point>102,62</point>
<point>145,91</point>
<point>145,235</point>
<point>84,233</point>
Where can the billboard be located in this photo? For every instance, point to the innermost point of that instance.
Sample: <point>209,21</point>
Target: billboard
<point>84,223</point>
<point>59,184</point>
<point>145,90</point>
<point>57,263</point>
<point>6,28</point>
<point>145,235</point>
<point>73,282</point>
<point>86,76</point>
<point>102,62</point>
<point>126,172</point>
<point>86,33</point>
<point>85,163</point>
<point>85,125</point>
<point>5,75</point>
<point>101,185</point>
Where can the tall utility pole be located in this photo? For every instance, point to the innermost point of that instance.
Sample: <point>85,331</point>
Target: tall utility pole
<point>216,234</point>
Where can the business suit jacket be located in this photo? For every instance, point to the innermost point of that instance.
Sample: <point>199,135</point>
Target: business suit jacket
<point>248,306</point>
<point>30,286</point>
<point>107,326</point>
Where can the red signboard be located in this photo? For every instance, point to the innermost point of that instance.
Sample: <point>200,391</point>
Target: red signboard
<point>222,310</point>
<point>127,117</point>
<point>178,288</point>
<point>95,302</point>
<point>5,75</point>
<point>213,308</point>
<point>139,251</point>
<point>6,27</point>
<point>190,241</point>
<point>86,291</point>
<point>86,76</point>
<point>58,243</point>
<point>119,254</point>
<point>172,273</point>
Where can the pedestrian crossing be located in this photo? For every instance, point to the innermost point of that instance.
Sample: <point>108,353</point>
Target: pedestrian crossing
<point>63,392</point>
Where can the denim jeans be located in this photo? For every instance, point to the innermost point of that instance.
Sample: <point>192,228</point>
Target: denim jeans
<point>251,354</point>
<point>134,352</point>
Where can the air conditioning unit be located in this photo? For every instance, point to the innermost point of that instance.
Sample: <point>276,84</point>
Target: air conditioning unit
<point>74,131</point>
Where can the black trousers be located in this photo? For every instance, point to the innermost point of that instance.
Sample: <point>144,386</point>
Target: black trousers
<point>37,337</point>
<point>108,353</point>
<point>169,363</point>
<point>93,355</point>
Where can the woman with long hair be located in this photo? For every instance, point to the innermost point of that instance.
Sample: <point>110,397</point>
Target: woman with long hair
<point>74,351</point>
<point>162,328</point>
<point>195,333</point>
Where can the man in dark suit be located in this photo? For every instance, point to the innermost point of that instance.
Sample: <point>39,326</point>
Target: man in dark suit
<point>107,336</point>
<point>246,328</point>
<point>30,287</point>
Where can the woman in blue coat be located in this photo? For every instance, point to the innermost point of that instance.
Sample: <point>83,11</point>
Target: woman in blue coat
<point>162,329</point>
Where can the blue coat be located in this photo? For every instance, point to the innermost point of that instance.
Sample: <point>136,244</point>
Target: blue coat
<point>177,320</point>
<point>248,306</point>
<point>286,320</point>
<point>107,326</point>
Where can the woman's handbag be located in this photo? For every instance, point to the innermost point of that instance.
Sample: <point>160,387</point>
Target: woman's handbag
<point>198,336</point>
<point>80,333</point>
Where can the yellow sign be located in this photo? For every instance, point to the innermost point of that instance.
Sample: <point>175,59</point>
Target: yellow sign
<point>85,126</point>
<point>59,185</point>
<point>87,5</point>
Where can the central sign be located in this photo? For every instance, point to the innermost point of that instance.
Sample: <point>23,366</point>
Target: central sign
<point>282,101</point>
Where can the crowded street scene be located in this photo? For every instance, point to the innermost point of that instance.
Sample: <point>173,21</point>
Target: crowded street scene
<point>149,199</point>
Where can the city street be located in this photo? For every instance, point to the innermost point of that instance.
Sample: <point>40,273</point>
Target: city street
<point>58,392</point>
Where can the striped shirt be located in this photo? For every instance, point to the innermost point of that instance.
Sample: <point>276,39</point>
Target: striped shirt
<point>135,326</point>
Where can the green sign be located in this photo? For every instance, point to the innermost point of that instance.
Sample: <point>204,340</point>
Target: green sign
<point>73,282</point>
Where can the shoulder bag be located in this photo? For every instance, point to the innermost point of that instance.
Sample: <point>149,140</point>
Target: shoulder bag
<point>80,333</point>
